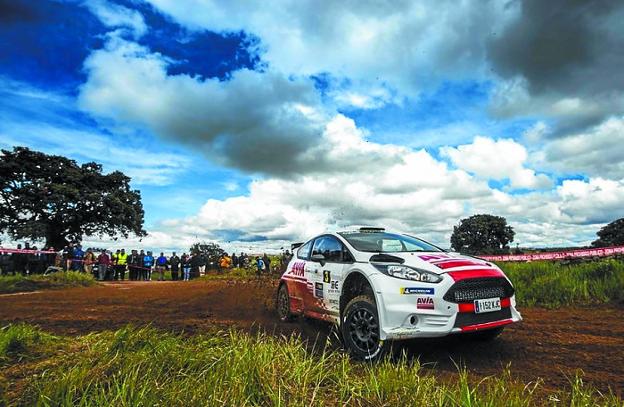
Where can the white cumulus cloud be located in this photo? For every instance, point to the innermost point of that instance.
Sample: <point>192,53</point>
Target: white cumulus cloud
<point>497,159</point>
<point>114,15</point>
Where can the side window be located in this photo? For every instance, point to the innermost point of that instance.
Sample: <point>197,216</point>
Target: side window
<point>304,251</point>
<point>329,247</point>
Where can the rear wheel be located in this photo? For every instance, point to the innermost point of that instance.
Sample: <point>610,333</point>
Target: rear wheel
<point>361,330</point>
<point>283,304</point>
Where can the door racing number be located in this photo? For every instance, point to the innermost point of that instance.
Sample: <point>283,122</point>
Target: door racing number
<point>326,276</point>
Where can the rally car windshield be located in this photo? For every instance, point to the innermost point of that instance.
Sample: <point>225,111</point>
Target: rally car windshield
<point>382,242</point>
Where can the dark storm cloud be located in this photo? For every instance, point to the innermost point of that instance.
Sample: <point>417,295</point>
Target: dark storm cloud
<point>13,11</point>
<point>563,46</point>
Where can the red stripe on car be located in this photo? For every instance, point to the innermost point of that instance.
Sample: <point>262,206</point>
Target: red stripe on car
<point>457,263</point>
<point>487,325</point>
<point>466,274</point>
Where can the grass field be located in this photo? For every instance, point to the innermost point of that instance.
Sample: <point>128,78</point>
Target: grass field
<point>552,284</point>
<point>145,367</point>
<point>19,283</point>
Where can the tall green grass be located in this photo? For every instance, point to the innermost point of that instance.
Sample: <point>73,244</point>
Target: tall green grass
<point>552,284</point>
<point>147,367</point>
<point>19,283</point>
<point>22,341</point>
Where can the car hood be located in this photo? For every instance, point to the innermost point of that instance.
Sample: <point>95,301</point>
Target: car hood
<point>441,262</point>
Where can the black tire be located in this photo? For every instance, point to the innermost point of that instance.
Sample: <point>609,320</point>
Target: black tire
<point>361,330</point>
<point>486,335</point>
<point>283,304</point>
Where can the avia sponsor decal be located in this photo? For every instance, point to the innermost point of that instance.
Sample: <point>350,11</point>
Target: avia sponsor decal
<point>424,303</point>
<point>318,290</point>
<point>430,257</point>
<point>417,290</point>
<point>334,287</point>
<point>298,269</point>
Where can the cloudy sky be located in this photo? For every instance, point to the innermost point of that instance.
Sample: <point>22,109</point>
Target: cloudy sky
<point>260,123</point>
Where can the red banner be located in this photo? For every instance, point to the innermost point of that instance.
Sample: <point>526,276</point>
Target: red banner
<point>568,254</point>
<point>27,251</point>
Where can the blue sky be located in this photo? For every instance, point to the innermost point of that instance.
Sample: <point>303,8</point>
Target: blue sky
<point>256,126</point>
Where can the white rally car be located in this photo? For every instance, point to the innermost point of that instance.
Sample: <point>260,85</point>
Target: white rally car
<point>380,286</point>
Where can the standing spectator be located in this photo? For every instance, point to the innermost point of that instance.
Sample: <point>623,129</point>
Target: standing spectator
<point>148,262</point>
<point>226,262</point>
<point>104,262</point>
<point>267,263</point>
<point>27,257</point>
<point>259,266</point>
<point>20,260</point>
<point>89,261</point>
<point>122,264</point>
<point>142,272</point>
<point>201,263</point>
<point>77,258</point>
<point>135,262</point>
<point>186,266</point>
<point>34,261</point>
<point>67,250</point>
<point>235,261</point>
<point>53,258</point>
<point>7,265</point>
<point>114,259</point>
<point>284,260</point>
<point>174,261</point>
<point>161,266</point>
<point>196,262</point>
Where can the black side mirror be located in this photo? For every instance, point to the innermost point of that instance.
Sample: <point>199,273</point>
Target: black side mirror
<point>319,258</point>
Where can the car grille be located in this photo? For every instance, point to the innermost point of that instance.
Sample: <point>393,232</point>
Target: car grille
<point>478,289</point>
<point>470,318</point>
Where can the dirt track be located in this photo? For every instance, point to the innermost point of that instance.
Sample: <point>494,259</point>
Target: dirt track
<point>549,344</point>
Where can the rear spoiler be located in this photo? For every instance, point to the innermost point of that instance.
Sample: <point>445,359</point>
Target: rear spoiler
<point>295,245</point>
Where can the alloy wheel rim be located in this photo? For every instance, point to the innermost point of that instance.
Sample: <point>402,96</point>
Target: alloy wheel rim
<point>364,330</point>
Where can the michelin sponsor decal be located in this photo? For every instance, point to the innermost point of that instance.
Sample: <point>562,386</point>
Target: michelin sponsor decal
<point>417,290</point>
<point>424,303</point>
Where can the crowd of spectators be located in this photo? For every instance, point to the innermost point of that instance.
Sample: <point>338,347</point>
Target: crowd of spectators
<point>137,265</point>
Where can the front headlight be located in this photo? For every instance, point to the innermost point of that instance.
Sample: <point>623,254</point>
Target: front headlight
<point>408,273</point>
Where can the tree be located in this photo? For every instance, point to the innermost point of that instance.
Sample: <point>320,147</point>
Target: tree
<point>211,251</point>
<point>611,234</point>
<point>482,234</point>
<point>53,198</point>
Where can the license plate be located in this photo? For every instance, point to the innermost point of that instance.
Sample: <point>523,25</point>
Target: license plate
<point>487,305</point>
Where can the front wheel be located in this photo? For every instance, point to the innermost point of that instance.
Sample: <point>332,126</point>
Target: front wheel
<point>361,329</point>
<point>283,304</point>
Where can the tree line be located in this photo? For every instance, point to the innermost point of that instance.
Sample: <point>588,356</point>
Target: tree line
<point>489,234</point>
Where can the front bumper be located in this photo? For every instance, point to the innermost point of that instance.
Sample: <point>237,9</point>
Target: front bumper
<point>410,309</point>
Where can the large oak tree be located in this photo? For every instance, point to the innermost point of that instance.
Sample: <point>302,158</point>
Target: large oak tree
<point>482,234</point>
<point>53,198</point>
<point>211,251</point>
<point>611,234</point>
